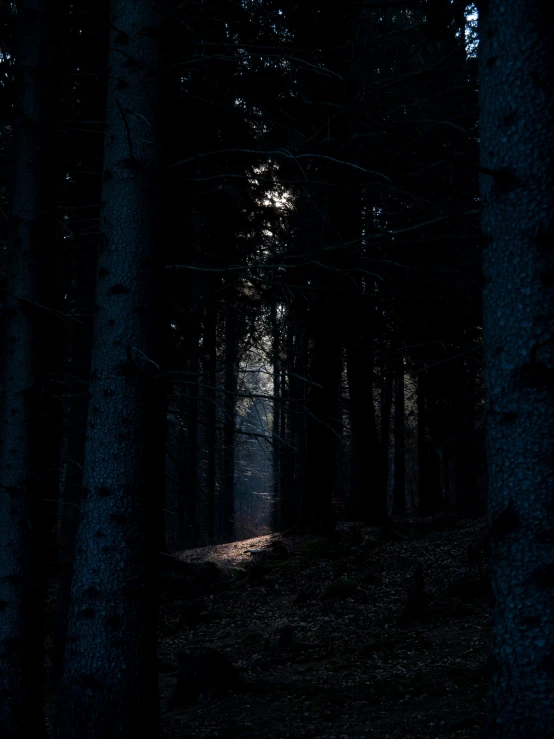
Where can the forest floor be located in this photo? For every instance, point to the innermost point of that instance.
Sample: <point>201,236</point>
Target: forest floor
<point>322,630</point>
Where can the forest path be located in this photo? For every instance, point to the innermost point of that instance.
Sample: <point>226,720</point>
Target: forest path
<point>234,554</point>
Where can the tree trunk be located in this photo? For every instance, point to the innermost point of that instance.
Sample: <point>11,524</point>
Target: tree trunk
<point>289,422</point>
<point>322,421</point>
<point>276,430</point>
<point>85,156</point>
<point>191,488</point>
<point>368,450</point>
<point>73,443</point>
<point>227,504</point>
<point>185,447</point>
<point>108,686</point>
<point>298,381</point>
<point>21,628</point>
<point>386,403</point>
<point>517,162</point>
<point>210,365</point>
<point>283,449</point>
<point>428,468</point>
<point>467,452</point>
<point>399,485</point>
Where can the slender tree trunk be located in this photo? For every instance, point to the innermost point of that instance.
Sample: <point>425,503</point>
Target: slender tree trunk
<point>289,423</point>
<point>191,489</point>
<point>428,463</point>
<point>386,403</point>
<point>284,435</point>
<point>155,446</point>
<point>399,486</point>
<point>369,451</point>
<point>301,460</point>
<point>285,468</point>
<point>322,423</point>
<point>517,159</point>
<point>186,437</point>
<point>276,431</point>
<point>421,441</point>
<point>21,628</point>
<point>227,505</point>
<point>108,686</point>
<point>300,377</point>
<point>466,451</point>
<point>210,364</point>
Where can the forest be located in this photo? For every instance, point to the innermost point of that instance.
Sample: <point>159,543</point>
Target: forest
<point>277,369</point>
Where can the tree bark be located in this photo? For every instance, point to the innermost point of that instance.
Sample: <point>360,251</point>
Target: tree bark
<point>517,163</point>
<point>21,627</point>
<point>79,342</point>
<point>108,686</point>
<point>84,157</point>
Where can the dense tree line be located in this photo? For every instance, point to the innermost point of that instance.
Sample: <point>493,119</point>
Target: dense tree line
<point>242,292</point>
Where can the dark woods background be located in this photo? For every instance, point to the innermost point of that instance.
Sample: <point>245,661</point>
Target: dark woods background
<point>242,296</point>
<point>318,260</point>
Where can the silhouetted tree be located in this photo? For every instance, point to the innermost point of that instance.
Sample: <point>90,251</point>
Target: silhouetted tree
<point>21,626</point>
<point>109,682</point>
<point>399,476</point>
<point>82,45</point>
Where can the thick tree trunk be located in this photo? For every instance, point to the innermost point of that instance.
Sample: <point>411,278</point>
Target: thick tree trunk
<point>85,156</point>
<point>109,682</point>
<point>517,193</point>
<point>21,644</point>
<point>73,443</point>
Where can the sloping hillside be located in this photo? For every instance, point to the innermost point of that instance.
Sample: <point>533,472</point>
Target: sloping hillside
<point>369,635</point>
